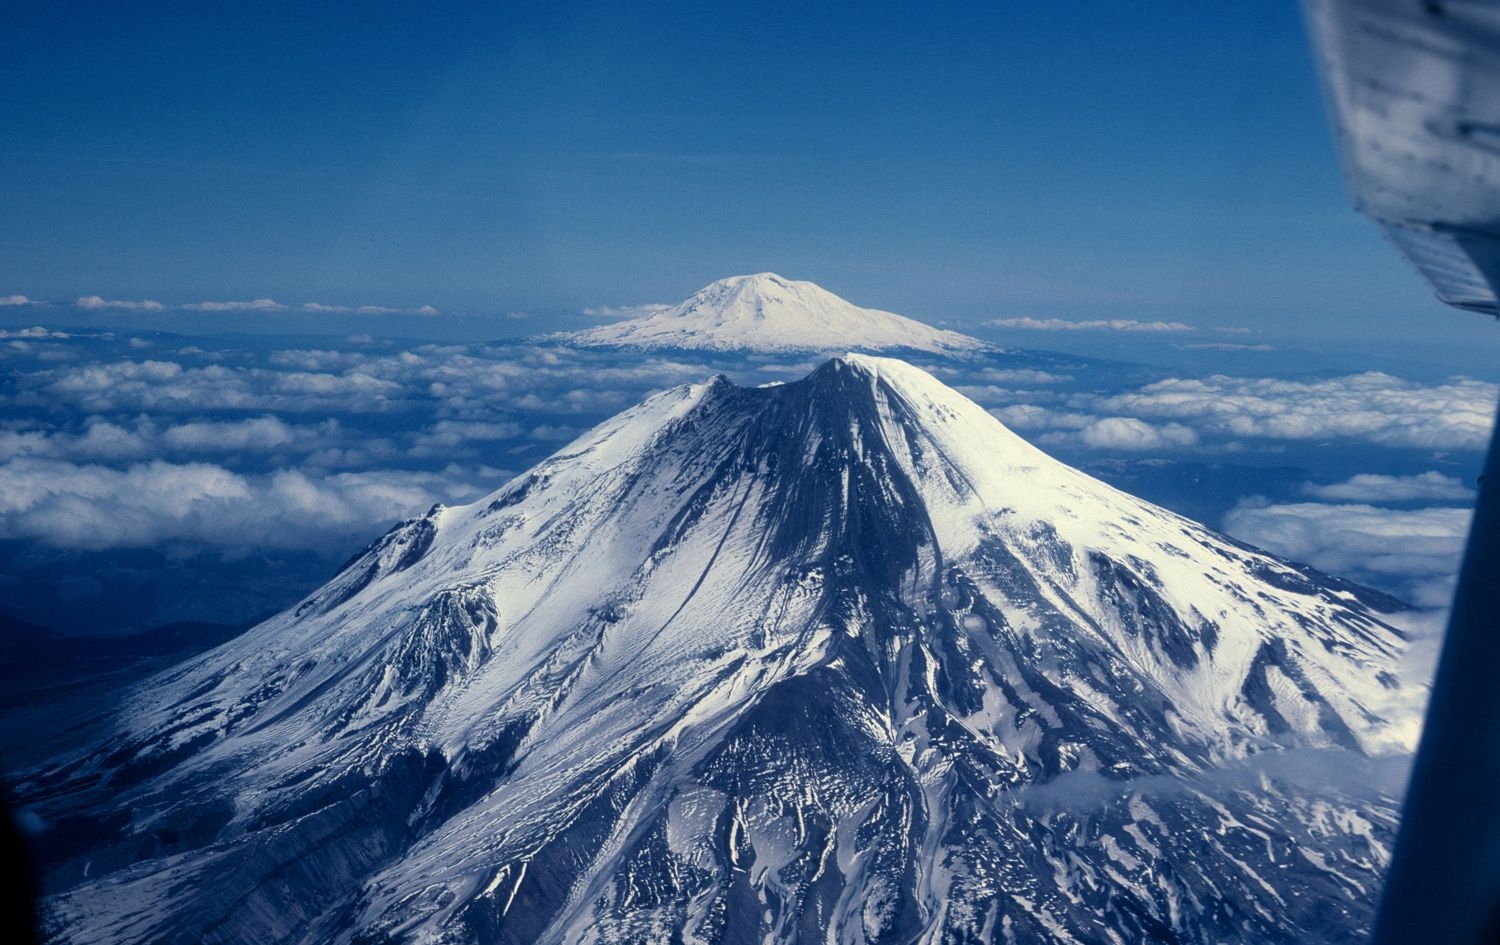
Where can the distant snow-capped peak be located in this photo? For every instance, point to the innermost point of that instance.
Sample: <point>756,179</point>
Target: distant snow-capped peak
<point>765,312</point>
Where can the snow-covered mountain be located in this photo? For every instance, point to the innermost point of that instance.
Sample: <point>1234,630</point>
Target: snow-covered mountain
<point>841,660</point>
<point>765,312</point>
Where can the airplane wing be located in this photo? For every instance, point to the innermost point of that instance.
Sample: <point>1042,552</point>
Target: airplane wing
<point>1414,93</point>
<point>1414,89</point>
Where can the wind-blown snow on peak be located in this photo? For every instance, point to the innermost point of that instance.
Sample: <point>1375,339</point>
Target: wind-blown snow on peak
<point>842,659</point>
<point>765,312</point>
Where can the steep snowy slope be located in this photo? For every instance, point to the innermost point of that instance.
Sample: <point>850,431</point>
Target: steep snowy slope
<point>842,660</point>
<point>768,313</point>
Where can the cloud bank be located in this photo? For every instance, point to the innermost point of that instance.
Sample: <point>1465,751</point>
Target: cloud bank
<point>1415,553</point>
<point>94,303</point>
<point>1370,487</point>
<point>1456,414</point>
<point>90,507</point>
<point>1110,324</point>
<point>625,311</point>
<point>253,305</point>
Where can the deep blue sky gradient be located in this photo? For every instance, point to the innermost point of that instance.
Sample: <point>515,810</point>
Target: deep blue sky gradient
<point>950,161</point>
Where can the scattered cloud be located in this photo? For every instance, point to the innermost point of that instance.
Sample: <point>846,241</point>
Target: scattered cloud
<point>1129,433</point>
<point>1455,414</point>
<point>10,300</point>
<point>1111,324</point>
<point>1413,553</point>
<point>1224,346</point>
<point>1036,417</point>
<point>1371,487</point>
<point>1223,412</point>
<point>93,507</point>
<point>94,303</point>
<point>98,303</point>
<point>154,385</point>
<point>102,440</point>
<point>447,436</point>
<point>365,309</point>
<point>253,305</point>
<point>361,406</point>
<point>625,311</point>
<point>34,333</point>
<point>1023,376</point>
<point>260,434</point>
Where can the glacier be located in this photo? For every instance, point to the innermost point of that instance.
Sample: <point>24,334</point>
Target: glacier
<point>837,660</point>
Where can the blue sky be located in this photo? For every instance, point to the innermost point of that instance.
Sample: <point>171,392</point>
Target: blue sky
<point>955,162</point>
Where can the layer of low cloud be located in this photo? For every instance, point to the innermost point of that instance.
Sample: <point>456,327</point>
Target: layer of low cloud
<point>367,309</point>
<point>1225,346</point>
<point>103,440</point>
<point>12,300</point>
<point>1102,324</point>
<point>34,333</point>
<point>92,507</point>
<point>1129,433</point>
<point>94,303</point>
<point>370,407</point>
<point>1391,411</point>
<point>625,311</point>
<point>1411,552</point>
<point>1370,487</point>
<point>1023,376</point>
<point>252,305</point>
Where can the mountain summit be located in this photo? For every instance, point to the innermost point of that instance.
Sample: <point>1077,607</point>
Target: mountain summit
<point>765,312</point>
<point>837,660</point>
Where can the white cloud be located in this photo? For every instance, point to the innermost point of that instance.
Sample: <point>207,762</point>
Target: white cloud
<point>259,435</point>
<point>1371,487</point>
<point>101,440</point>
<point>1414,553</point>
<point>366,309</point>
<point>93,507</point>
<point>445,436</point>
<point>1110,324</point>
<point>1455,414</point>
<point>625,311</point>
<point>1225,346</point>
<point>1034,417</point>
<point>154,385</point>
<point>306,359</point>
<point>8,300</point>
<point>1129,433</point>
<point>1022,376</point>
<point>94,303</point>
<point>253,305</point>
<point>106,441</point>
<point>34,333</point>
